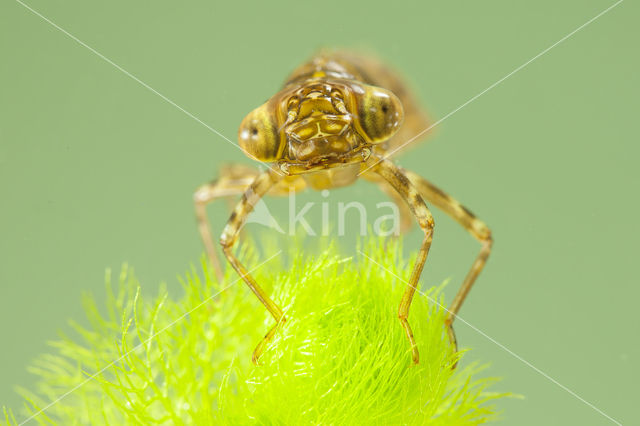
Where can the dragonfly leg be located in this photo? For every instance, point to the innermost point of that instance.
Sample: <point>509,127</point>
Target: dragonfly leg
<point>233,180</point>
<point>477,228</point>
<point>258,188</point>
<point>405,189</point>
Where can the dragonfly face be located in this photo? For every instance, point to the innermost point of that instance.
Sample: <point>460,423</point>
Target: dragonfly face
<point>320,121</point>
<point>319,125</point>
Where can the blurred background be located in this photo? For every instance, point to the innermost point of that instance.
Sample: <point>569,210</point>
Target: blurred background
<point>97,170</point>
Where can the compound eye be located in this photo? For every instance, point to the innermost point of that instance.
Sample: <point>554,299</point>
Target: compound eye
<point>259,137</point>
<point>380,113</point>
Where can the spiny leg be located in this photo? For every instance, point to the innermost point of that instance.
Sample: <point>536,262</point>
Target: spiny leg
<point>473,225</point>
<point>233,180</point>
<point>396,177</point>
<point>258,188</point>
<point>406,217</point>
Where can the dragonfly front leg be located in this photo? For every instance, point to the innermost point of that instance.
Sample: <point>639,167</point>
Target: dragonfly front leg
<point>405,189</point>
<point>233,180</point>
<point>258,188</point>
<point>477,228</point>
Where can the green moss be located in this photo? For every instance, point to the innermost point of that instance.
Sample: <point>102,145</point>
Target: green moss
<point>341,357</point>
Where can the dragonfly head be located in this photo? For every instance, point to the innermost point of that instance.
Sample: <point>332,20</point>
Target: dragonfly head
<point>320,121</point>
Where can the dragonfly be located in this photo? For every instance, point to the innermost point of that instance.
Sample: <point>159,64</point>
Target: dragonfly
<point>337,118</point>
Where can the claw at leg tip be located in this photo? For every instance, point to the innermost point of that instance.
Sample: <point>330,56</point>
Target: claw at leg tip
<point>255,359</point>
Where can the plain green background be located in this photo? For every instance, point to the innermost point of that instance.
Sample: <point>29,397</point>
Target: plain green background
<point>96,170</point>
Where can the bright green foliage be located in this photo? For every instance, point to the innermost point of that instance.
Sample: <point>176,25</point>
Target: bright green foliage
<point>340,358</point>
